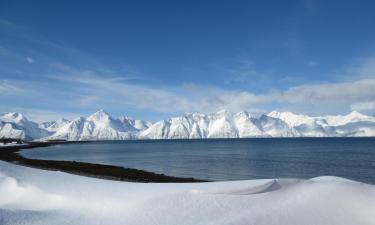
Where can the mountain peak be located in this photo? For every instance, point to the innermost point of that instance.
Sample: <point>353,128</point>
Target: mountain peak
<point>13,117</point>
<point>278,114</point>
<point>242,113</point>
<point>99,115</point>
<point>356,114</point>
<point>274,113</point>
<point>63,120</point>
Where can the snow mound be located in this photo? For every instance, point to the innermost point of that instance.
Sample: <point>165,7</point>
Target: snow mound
<point>31,196</point>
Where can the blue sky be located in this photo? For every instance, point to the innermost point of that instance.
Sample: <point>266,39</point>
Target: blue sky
<point>155,59</point>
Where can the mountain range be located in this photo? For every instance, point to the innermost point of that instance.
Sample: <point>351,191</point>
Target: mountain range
<point>222,124</point>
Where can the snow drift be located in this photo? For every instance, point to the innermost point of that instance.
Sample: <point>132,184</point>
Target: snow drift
<point>31,196</point>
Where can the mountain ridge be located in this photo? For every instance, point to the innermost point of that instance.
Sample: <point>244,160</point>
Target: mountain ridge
<point>223,124</point>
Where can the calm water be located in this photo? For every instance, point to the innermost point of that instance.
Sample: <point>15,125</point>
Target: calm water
<point>233,159</point>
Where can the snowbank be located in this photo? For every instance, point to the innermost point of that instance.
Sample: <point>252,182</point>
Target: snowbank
<point>31,196</point>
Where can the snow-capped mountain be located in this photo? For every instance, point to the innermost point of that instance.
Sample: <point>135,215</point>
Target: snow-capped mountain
<point>137,124</point>
<point>222,124</point>
<point>98,126</point>
<point>352,117</point>
<point>306,126</point>
<point>53,126</point>
<point>16,125</point>
<point>352,124</point>
<point>276,127</point>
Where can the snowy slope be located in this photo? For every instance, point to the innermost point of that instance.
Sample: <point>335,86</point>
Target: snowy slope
<point>222,124</point>
<point>352,117</point>
<point>305,125</point>
<point>134,123</point>
<point>276,127</point>
<point>290,118</point>
<point>248,126</point>
<point>35,197</point>
<point>16,125</point>
<point>352,124</point>
<point>98,126</point>
<point>53,126</point>
<point>357,129</point>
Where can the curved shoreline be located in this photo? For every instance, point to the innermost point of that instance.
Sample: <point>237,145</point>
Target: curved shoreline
<point>10,154</point>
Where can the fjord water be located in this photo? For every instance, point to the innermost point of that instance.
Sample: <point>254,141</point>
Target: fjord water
<point>229,159</point>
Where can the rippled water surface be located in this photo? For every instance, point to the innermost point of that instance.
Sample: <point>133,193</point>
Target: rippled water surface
<point>229,159</point>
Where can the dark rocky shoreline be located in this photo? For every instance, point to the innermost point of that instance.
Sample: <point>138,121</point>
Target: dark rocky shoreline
<point>10,154</point>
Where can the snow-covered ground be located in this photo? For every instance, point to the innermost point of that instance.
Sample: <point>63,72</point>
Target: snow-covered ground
<point>32,196</point>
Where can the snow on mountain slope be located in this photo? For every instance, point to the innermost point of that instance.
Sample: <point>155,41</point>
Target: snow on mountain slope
<point>316,129</point>
<point>349,118</point>
<point>222,124</point>
<point>192,125</point>
<point>158,130</point>
<point>352,124</point>
<point>53,126</point>
<point>357,129</point>
<point>248,126</point>
<point>276,127</point>
<point>98,126</point>
<point>137,124</point>
<point>7,130</point>
<point>222,128</point>
<point>290,118</point>
<point>16,125</point>
<point>307,126</point>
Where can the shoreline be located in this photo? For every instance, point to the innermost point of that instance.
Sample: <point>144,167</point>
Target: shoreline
<point>108,172</point>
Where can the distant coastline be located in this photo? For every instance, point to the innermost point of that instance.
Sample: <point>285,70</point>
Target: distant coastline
<point>10,154</point>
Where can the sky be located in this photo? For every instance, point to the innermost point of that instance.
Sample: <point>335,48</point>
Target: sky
<point>156,59</point>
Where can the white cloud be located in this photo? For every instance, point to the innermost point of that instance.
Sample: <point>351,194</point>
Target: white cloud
<point>362,68</point>
<point>368,106</point>
<point>8,88</point>
<point>318,98</point>
<point>338,92</point>
<point>87,100</point>
<point>30,60</point>
<point>74,88</point>
<point>367,68</point>
<point>91,90</point>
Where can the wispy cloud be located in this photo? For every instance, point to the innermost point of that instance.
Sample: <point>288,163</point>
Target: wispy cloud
<point>7,88</point>
<point>30,60</point>
<point>82,84</point>
<point>312,63</point>
<point>368,106</point>
<point>88,100</point>
<point>323,97</point>
<point>92,90</point>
